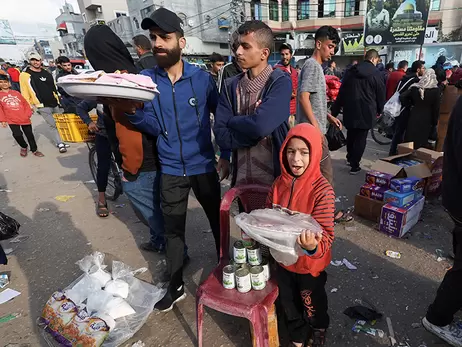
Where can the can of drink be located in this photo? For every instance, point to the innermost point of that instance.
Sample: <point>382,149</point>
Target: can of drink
<point>257,277</point>
<point>266,268</point>
<point>393,254</point>
<point>254,254</point>
<point>243,282</point>
<point>229,281</point>
<point>239,252</point>
<point>246,239</point>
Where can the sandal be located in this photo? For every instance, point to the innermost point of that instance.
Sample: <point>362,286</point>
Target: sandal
<point>102,210</point>
<point>38,154</point>
<point>23,152</point>
<point>341,216</point>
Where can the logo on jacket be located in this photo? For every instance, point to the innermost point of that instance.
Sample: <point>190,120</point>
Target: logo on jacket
<point>192,102</point>
<point>43,79</point>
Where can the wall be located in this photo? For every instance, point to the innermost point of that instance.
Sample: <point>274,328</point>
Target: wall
<point>72,40</point>
<point>122,27</point>
<point>108,9</point>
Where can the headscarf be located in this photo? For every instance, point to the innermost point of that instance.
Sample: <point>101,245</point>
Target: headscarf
<point>428,81</point>
<point>106,51</point>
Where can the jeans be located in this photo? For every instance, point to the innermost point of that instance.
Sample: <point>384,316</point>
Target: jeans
<point>47,114</point>
<point>104,155</point>
<point>144,194</point>
<point>18,136</point>
<point>448,299</point>
<point>356,144</point>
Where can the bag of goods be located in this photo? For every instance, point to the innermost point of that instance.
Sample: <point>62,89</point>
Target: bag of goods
<point>117,286</point>
<point>278,230</point>
<point>93,266</point>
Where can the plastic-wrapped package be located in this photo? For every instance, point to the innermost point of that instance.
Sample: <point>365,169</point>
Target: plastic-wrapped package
<point>117,286</point>
<point>93,266</point>
<point>278,230</point>
<point>80,292</point>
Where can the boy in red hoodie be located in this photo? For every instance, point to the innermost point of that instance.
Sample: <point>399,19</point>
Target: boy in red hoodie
<point>302,188</point>
<point>16,112</point>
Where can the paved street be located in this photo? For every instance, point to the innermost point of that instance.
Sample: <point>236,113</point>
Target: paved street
<point>60,233</point>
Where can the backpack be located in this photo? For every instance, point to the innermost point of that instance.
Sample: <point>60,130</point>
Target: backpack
<point>393,106</point>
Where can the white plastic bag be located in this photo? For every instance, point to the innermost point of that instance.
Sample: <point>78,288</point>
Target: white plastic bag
<point>93,265</point>
<point>117,286</point>
<point>82,289</point>
<point>278,230</point>
<point>393,106</point>
<point>117,308</point>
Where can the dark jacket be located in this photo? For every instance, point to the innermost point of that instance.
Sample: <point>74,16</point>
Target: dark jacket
<point>68,102</point>
<point>423,114</point>
<point>452,165</point>
<point>229,70</point>
<point>233,131</point>
<point>180,117</point>
<point>361,96</point>
<point>147,61</point>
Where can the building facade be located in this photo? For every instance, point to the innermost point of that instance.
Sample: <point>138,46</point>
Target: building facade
<point>101,11</point>
<point>71,28</point>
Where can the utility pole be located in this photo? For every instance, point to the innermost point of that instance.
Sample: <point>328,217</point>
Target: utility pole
<point>238,15</point>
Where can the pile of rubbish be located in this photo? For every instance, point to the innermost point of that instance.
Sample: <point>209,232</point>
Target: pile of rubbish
<point>99,308</point>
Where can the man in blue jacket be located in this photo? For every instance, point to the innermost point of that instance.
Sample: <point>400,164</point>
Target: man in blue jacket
<point>180,117</point>
<point>254,107</point>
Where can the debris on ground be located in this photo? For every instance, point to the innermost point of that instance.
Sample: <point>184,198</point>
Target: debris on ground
<point>120,206</point>
<point>4,281</point>
<point>64,198</point>
<point>416,325</point>
<point>363,326</point>
<point>5,191</point>
<point>89,182</point>
<point>139,344</point>
<point>345,262</point>
<point>393,254</point>
<point>41,209</point>
<point>8,294</point>
<point>353,228</point>
<point>19,239</point>
<point>439,255</point>
<point>391,333</point>
<point>334,290</point>
<point>6,170</point>
<point>362,313</point>
<point>207,231</point>
<point>8,251</point>
<point>9,317</point>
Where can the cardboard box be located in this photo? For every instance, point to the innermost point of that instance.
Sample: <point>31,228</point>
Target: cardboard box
<point>397,221</point>
<point>386,165</point>
<point>379,179</point>
<point>404,185</point>
<point>368,208</point>
<point>398,199</point>
<point>373,192</point>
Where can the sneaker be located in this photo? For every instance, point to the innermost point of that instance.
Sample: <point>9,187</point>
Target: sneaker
<point>318,338</point>
<point>62,148</point>
<point>451,333</point>
<point>170,299</point>
<point>67,145</point>
<point>355,170</point>
<point>151,247</point>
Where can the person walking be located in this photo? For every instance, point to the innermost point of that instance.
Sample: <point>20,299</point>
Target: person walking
<point>144,51</point>
<point>39,90</point>
<point>362,97</point>
<point>412,76</point>
<point>16,113</point>
<point>217,62</point>
<point>284,64</point>
<point>254,108</point>
<point>68,102</point>
<point>439,319</point>
<point>423,99</point>
<point>179,117</point>
<point>312,97</point>
<point>395,77</point>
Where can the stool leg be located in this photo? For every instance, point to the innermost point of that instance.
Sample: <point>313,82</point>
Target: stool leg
<point>199,322</point>
<point>260,327</point>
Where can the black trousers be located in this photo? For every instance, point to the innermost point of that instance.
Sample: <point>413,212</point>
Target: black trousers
<point>303,299</point>
<point>356,144</point>
<point>400,127</point>
<point>104,155</point>
<point>448,299</point>
<point>18,136</point>
<point>174,201</point>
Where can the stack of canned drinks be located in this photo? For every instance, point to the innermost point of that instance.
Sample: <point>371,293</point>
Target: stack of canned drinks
<point>248,270</point>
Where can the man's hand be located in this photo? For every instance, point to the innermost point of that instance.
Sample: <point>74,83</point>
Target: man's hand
<point>223,168</point>
<point>125,105</point>
<point>4,124</point>
<point>309,240</point>
<point>93,128</point>
<point>335,121</point>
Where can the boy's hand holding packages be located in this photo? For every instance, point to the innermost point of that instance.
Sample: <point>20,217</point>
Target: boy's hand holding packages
<point>309,240</point>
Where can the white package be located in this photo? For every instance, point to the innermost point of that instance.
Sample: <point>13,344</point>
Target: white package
<point>118,308</point>
<point>278,230</point>
<point>98,301</point>
<point>80,292</point>
<point>93,265</point>
<point>117,286</point>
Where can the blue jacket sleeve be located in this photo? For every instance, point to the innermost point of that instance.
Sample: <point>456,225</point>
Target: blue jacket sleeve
<point>145,120</point>
<point>272,112</point>
<point>226,137</point>
<point>83,108</point>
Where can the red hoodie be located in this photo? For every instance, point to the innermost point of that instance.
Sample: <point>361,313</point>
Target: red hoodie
<point>309,193</point>
<point>14,109</point>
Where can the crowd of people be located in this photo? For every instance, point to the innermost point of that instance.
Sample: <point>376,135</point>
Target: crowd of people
<point>270,122</point>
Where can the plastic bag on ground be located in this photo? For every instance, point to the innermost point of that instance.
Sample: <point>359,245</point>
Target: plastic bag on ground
<point>93,265</point>
<point>8,227</point>
<point>278,230</point>
<point>118,286</point>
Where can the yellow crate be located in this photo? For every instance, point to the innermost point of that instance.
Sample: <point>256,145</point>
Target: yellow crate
<point>72,129</point>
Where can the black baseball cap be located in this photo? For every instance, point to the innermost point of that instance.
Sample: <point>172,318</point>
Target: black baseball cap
<point>417,65</point>
<point>164,19</point>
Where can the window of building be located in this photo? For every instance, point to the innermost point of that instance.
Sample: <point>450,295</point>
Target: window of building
<point>120,14</point>
<point>285,10</point>
<point>326,8</point>
<point>303,9</point>
<point>273,10</point>
<point>255,9</point>
<point>352,8</point>
<point>224,46</point>
<point>136,23</point>
<point>435,5</point>
<point>146,12</point>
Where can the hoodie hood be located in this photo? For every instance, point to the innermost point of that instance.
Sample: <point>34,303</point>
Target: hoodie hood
<point>313,138</point>
<point>364,69</point>
<point>106,51</point>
